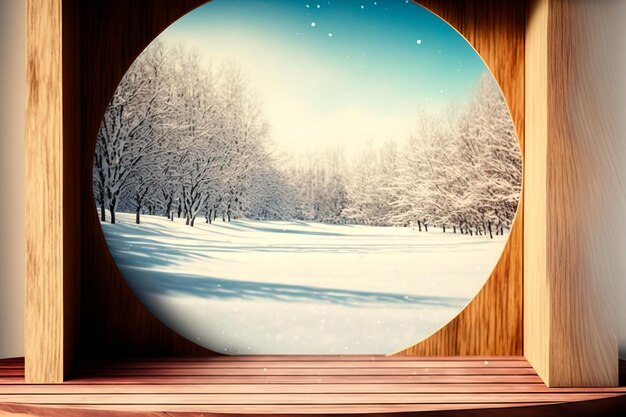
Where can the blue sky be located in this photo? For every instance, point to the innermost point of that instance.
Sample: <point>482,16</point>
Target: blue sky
<point>340,72</point>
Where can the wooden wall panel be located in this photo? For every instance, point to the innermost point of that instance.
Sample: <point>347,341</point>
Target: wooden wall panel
<point>570,300</point>
<point>52,184</point>
<point>492,323</point>
<point>113,321</point>
<point>536,295</point>
<point>43,330</point>
<point>118,31</point>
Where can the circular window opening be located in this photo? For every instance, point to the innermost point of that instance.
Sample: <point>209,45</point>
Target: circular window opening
<point>281,177</point>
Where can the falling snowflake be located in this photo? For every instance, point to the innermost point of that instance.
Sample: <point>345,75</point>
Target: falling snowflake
<point>312,24</point>
<point>419,41</point>
<point>330,34</point>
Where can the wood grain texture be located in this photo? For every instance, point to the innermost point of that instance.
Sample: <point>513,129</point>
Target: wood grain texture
<point>536,292</point>
<point>44,193</point>
<point>52,184</point>
<point>492,323</point>
<point>570,302</point>
<point>113,321</point>
<point>481,392</point>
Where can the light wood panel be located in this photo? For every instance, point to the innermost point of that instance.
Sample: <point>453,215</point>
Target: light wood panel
<point>492,323</point>
<point>536,292</point>
<point>52,184</point>
<point>480,385</point>
<point>44,193</point>
<point>569,317</point>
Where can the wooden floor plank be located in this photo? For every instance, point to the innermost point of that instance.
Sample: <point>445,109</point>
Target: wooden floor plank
<point>297,388</point>
<point>307,379</point>
<point>308,385</point>
<point>238,410</point>
<point>318,358</point>
<point>265,398</point>
<point>298,372</point>
<point>313,364</point>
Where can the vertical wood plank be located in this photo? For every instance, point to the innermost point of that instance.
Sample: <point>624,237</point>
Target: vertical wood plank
<point>536,292</point>
<point>52,188</point>
<point>113,321</point>
<point>570,335</point>
<point>492,323</point>
<point>72,146</point>
<point>44,193</point>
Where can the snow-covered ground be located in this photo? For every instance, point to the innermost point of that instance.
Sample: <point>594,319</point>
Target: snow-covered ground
<point>250,287</point>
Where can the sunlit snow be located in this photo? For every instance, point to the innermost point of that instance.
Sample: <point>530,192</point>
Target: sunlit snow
<point>272,287</point>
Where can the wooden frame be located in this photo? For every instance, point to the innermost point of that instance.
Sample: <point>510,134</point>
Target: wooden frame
<point>72,73</point>
<point>568,324</point>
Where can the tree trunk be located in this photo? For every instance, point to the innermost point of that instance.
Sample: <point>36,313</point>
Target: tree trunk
<point>228,215</point>
<point>112,210</point>
<point>454,229</point>
<point>489,228</point>
<point>168,210</point>
<point>444,228</point>
<point>186,220</point>
<point>419,225</point>
<point>193,221</point>
<point>180,210</point>
<point>210,216</point>
<point>103,213</point>
<point>425,226</point>
<point>138,215</point>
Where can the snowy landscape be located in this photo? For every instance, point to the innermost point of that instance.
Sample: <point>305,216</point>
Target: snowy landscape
<point>251,287</point>
<point>258,203</point>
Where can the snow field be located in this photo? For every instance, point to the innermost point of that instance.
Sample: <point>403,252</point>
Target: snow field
<point>278,287</point>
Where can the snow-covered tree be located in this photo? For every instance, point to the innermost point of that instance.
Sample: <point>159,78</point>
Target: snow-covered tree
<point>126,139</point>
<point>184,139</point>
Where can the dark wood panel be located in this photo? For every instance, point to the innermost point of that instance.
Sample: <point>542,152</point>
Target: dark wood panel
<point>492,323</point>
<point>113,322</point>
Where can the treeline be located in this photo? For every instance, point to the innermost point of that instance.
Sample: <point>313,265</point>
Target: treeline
<point>184,140</point>
<point>461,171</point>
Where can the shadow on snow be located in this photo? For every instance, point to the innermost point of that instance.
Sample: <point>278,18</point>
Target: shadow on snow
<point>166,283</point>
